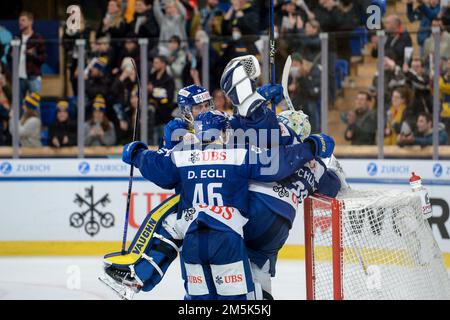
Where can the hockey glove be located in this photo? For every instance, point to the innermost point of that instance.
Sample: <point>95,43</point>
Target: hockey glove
<point>322,145</point>
<point>173,125</point>
<point>129,150</point>
<point>271,92</point>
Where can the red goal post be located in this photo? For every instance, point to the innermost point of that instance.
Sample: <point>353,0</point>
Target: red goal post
<point>371,244</point>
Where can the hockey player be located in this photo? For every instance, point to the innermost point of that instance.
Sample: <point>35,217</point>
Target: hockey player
<point>210,215</point>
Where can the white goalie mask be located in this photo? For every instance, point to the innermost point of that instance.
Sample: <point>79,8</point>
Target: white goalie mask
<point>297,121</point>
<point>238,78</point>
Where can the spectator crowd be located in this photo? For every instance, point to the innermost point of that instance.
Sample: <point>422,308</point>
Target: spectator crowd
<point>181,32</point>
<point>408,82</point>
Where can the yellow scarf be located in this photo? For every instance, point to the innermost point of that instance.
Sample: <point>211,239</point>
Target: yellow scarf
<point>396,118</point>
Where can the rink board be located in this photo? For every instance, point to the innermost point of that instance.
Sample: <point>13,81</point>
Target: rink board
<point>77,207</point>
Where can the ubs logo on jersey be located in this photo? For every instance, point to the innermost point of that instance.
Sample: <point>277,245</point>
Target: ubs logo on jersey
<point>281,191</point>
<point>219,280</point>
<point>91,218</point>
<point>232,278</point>
<point>195,279</point>
<point>195,157</point>
<point>188,214</point>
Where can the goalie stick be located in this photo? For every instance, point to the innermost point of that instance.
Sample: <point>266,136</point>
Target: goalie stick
<point>284,82</point>
<point>130,179</point>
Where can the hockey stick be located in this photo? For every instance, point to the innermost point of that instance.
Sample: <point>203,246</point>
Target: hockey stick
<point>272,48</point>
<point>130,179</point>
<point>284,82</point>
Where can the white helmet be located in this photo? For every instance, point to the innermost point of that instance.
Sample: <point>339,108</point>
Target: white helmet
<point>297,121</point>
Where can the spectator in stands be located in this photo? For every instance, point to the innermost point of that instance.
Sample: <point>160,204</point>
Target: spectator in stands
<point>419,82</point>
<point>305,88</point>
<point>96,82</point>
<point>444,44</point>
<point>240,23</point>
<point>423,135</point>
<point>125,133</point>
<point>350,18</point>
<point>241,18</point>
<point>238,45</point>
<point>425,12</point>
<point>362,121</point>
<point>71,52</point>
<point>393,78</point>
<point>120,91</point>
<point>113,24</point>
<point>32,56</point>
<point>144,24</point>
<point>207,14</point>
<point>176,61</point>
<point>396,116</point>
<point>444,15</point>
<point>195,63</point>
<point>397,39</point>
<point>5,41</point>
<point>5,105</point>
<point>130,50</point>
<point>444,88</point>
<point>62,133</point>
<point>99,131</point>
<point>310,44</point>
<point>292,19</point>
<point>30,122</point>
<point>221,101</point>
<point>102,48</point>
<point>4,119</point>
<point>171,23</point>
<point>161,90</point>
<point>328,15</point>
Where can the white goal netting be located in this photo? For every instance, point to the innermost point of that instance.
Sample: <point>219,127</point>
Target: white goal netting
<point>387,249</point>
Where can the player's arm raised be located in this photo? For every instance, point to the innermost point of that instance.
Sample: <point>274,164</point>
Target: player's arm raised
<point>155,166</point>
<point>278,163</point>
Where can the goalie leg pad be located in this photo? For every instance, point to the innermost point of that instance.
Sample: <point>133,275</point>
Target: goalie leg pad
<point>151,251</point>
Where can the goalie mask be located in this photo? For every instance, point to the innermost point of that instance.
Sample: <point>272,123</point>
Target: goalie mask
<point>297,121</point>
<point>193,100</point>
<point>238,79</point>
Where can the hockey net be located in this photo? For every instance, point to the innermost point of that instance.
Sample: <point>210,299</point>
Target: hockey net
<point>371,245</point>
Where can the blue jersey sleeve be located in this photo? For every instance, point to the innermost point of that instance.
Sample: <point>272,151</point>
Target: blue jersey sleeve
<point>157,167</point>
<point>306,181</point>
<point>265,119</point>
<point>277,163</point>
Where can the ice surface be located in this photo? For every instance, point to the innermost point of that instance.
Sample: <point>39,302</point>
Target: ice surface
<point>75,278</point>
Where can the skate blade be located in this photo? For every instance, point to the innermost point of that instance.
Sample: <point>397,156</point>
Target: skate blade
<point>122,292</point>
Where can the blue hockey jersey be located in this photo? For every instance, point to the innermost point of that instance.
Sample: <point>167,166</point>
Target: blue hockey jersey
<point>213,176</point>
